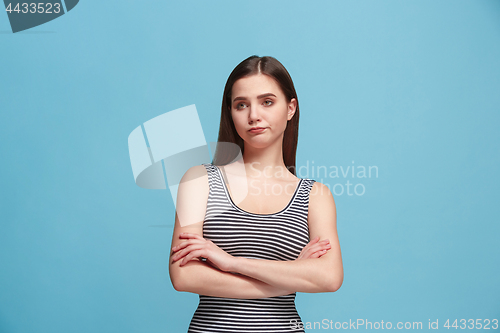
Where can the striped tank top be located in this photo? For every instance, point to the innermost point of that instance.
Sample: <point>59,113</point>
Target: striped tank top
<point>277,236</point>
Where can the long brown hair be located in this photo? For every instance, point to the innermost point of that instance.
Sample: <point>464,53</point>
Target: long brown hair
<point>227,132</point>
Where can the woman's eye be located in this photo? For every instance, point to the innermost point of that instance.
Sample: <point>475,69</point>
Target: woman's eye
<point>268,102</point>
<point>240,106</point>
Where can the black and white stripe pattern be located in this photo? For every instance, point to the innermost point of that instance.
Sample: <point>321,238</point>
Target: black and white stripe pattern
<point>278,236</point>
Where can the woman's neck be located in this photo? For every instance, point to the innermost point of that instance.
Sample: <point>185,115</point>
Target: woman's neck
<point>265,162</point>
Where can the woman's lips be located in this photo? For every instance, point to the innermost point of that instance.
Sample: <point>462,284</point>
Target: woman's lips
<point>258,130</point>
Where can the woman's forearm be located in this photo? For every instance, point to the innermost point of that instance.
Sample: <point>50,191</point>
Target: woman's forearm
<point>308,275</point>
<point>202,278</point>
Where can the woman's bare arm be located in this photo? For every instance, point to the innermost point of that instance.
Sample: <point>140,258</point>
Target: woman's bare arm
<point>201,278</point>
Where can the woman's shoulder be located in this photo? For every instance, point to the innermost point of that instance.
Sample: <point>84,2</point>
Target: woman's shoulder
<point>321,204</point>
<point>192,196</point>
<point>195,182</point>
<point>320,195</point>
<point>319,188</point>
<point>196,172</point>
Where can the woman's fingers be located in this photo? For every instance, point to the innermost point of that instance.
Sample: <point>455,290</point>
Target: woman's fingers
<point>181,246</point>
<point>318,254</point>
<point>185,243</point>
<point>186,250</point>
<point>315,249</point>
<point>315,255</point>
<point>189,235</point>
<point>320,245</point>
<point>314,240</point>
<point>317,245</point>
<point>191,255</point>
<point>319,251</point>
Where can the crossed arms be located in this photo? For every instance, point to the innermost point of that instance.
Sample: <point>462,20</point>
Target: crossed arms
<point>236,277</point>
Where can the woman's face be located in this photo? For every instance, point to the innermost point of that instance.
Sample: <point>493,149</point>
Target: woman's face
<point>257,101</point>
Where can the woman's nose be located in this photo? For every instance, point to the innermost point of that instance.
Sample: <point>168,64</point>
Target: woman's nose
<point>254,114</point>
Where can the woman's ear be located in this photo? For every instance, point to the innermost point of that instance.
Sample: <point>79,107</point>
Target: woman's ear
<point>292,106</point>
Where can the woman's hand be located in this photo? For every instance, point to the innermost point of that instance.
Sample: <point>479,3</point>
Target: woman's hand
<point>198,247</point>
<point>314,249</point>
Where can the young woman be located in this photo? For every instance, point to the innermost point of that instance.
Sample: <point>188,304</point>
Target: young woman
<point>248,233</point>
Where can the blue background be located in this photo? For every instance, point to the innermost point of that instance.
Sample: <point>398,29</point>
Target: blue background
<point>411,87</point>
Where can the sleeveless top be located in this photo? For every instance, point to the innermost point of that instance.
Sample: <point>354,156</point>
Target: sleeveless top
<point>277,236</point>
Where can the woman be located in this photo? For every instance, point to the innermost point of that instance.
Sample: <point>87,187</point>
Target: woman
<point>247,252</point>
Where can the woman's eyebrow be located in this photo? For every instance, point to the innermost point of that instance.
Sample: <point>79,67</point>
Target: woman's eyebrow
<point>258,97</point>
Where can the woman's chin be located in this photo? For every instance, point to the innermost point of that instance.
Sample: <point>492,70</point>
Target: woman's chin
<point>257,144</point>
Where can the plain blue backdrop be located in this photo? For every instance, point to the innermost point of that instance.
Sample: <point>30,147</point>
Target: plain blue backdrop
<point>411,87</point>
